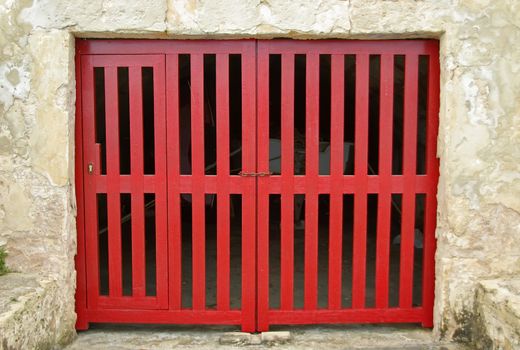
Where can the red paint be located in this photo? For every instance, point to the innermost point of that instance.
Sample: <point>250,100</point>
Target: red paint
<point>336,175</point>
<point>167,184</point>
<point>385,173</point>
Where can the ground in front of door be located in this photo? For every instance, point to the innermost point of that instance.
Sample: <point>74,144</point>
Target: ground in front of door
<point>357,337</point>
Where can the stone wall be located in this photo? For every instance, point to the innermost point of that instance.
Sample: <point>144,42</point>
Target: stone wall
<point>478,212</point>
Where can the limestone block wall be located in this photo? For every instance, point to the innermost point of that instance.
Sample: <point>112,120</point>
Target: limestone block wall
<point>478,145</point>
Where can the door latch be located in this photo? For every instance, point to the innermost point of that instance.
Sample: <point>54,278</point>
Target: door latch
<point>260,174</point>
<point>90,168</point>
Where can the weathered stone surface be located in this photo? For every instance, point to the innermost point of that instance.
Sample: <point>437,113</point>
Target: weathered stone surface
<point>235,338</point>
<point>497,315</point>
<point>274,338</point>
<point>478,206</point>
<point>31,313</point>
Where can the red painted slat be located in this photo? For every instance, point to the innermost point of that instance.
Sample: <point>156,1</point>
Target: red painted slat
<point>311,174</point>
<point>161,214</point>
<point>432,170</point>
<point>113,194</point>
<point>223,212</point>
<point>274,182</point>
<point>249,196</point>
<point>385,184</point>
<point>128,302</point>
<point>336,181</point>
<point>360,196</point>
<point>287,179</point>
<point>393,315</point>
<point>263,189</point>
<point>79,169</point>
<point>136,162</point>
<point>89,141</point>
<point>409,173</point>
<point>198,197</point>
<point>174,200</point>
<point>165,316</point>
<point>114,46</point>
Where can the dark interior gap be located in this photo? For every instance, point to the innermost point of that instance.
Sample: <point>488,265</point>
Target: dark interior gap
<point>147,75</point>
<point>395,249</point>
<point>397,154</point>
<point>373,114</point>
<point>372,202</point>
<point>420,199</point>
<point>150,244</point>
<point>235,113</point>
<point>126,242</point>
<point>210,122</point>
<point>421,113</point>
<point>185,114</point>
<point>323,250</point>
<point>325,112</point>
<point>100,112</point>
<point>350,109</point>
<point>274,250</point>
<point>275,116</point>
<point>211,250</point>
<point>186,250</point>
<point>300,119</point>
<point>299,253</point>
<point>347,241</point>
<point>236,251</point>
<point>102,217</point>
<point>124,120</point>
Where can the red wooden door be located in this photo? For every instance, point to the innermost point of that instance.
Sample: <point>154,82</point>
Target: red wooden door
<point>311,183</point>
<point>135,179</point>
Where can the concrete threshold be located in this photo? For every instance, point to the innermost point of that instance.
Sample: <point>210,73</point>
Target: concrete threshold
<point>344,337</point>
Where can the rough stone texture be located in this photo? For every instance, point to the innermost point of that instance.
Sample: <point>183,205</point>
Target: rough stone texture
<point>30,314</point>
<point>478,212</point>
<point>497,315</point>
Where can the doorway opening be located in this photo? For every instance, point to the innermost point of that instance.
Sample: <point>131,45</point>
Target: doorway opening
<point>309,201</point>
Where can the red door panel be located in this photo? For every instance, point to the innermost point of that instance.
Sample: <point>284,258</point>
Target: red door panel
<point>360,184</point>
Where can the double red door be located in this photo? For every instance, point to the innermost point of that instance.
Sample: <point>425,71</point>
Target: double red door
<point>138,165</point>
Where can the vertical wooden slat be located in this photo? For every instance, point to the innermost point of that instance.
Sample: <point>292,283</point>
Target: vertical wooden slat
<point>287,175</point>
<point>113,192</point>
<point>161,219</point>
<point>223,218</point>
<point>263,188</point>
<point>91,156</point>
<point>360,195</point>
<point>80,170</point>
<point>136,162</point>
<point>174,200</point>
<point>311,175</point>
<point>385,178</point>
<point>432,171</point>
<point>409,173</point>
<point>198,195</point>
<point>337,164</point>
<point>249,190</point>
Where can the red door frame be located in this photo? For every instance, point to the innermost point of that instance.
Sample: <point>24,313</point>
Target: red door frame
<point>255,313</point>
